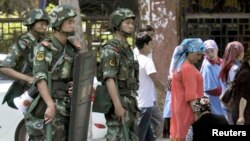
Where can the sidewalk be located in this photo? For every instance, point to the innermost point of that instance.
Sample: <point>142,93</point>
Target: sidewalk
<point>160,139</point>
<point>163,139</point>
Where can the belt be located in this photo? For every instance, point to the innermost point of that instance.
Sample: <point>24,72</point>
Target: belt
<point>57,85</point>
<point>59,89</point>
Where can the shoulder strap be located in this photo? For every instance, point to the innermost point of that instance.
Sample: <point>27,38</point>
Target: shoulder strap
<point>59,60</point>
<point>24,54</point>
<point>54,41</point>
<point>46,44</point>
<point>114,43</point>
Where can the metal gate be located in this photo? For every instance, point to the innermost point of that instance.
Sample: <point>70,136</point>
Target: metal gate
<point>223,28</point>
<point>223,21</point>
<point>95,29</point>
<point>10,29</point>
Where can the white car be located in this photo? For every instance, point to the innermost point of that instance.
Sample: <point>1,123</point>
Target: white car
<point>12,127</point>
<point>11,121</point>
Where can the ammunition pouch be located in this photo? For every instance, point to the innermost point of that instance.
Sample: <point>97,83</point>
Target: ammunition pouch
<point>102,102</point>
<point>39,108</point>
<point>129,84</point>
<point>59,90</point>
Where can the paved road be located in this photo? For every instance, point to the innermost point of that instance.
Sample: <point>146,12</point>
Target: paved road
<point>160,139</point>
<point>163,139</point>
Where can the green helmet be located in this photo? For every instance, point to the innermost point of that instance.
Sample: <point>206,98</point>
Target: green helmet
<point>35,15</point>
<point>60,13</point>
<point>119,15</point>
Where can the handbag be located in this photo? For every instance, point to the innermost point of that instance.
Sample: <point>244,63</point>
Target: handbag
<point>102,102</point>
<point>227,98</point>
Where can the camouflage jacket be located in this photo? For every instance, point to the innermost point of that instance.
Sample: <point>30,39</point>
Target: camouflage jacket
<point>117,61</point>
<point>18,51</point>
<point>47,53</point>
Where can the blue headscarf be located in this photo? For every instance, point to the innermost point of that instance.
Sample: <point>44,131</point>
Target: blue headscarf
<point>180,52</point>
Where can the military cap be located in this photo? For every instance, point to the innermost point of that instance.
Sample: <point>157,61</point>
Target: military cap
<point>60,13</point>
<point>119,15</point>
<point>35,15</point>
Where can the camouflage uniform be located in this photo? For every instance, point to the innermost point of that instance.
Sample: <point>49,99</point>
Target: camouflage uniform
<point>15,58</point>
<point>21,55</point>
<point>117,61</point>
<point>46,55</point>
<point>25,44</point>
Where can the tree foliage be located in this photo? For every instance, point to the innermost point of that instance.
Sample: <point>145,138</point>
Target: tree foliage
<point>87,7</point>
<point>16,6</point>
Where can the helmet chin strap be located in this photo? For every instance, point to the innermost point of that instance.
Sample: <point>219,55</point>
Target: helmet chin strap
<point>68,34</point>
<point>126,34</point>
<point>38,35</point>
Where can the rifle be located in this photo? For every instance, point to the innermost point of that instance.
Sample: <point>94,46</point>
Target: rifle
<point>48,127</point>
<point>125,130</point>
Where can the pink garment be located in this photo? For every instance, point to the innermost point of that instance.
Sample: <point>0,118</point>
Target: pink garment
<point>187,85</point>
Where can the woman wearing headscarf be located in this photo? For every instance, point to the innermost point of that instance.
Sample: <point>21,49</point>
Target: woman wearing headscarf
<point>167,105</point>
<point>242,84</point>
<point>233,54</point>
<point>186,86</point>
<point>210,72</point>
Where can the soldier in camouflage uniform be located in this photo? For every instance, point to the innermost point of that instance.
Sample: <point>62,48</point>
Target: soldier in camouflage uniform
<point>57,103</point>
<point>17,64</point>
<point>119,74</point>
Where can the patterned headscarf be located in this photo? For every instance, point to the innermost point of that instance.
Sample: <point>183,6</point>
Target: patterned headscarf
<point>180,52</point>
<point>202,104</point>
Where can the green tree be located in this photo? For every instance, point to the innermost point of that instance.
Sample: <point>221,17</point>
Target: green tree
<point>17,6</point>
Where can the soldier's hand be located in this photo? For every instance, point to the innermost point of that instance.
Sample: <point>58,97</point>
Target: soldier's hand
<point>70,88</point>
<point>50,113</point>
<point>30,80</point>
<point>119,112</point>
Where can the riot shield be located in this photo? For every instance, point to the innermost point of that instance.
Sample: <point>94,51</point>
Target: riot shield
<point>84,71</point>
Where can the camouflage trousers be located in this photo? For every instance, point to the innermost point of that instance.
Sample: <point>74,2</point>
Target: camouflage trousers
<point>115,128</point>
<point>36,128</point>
